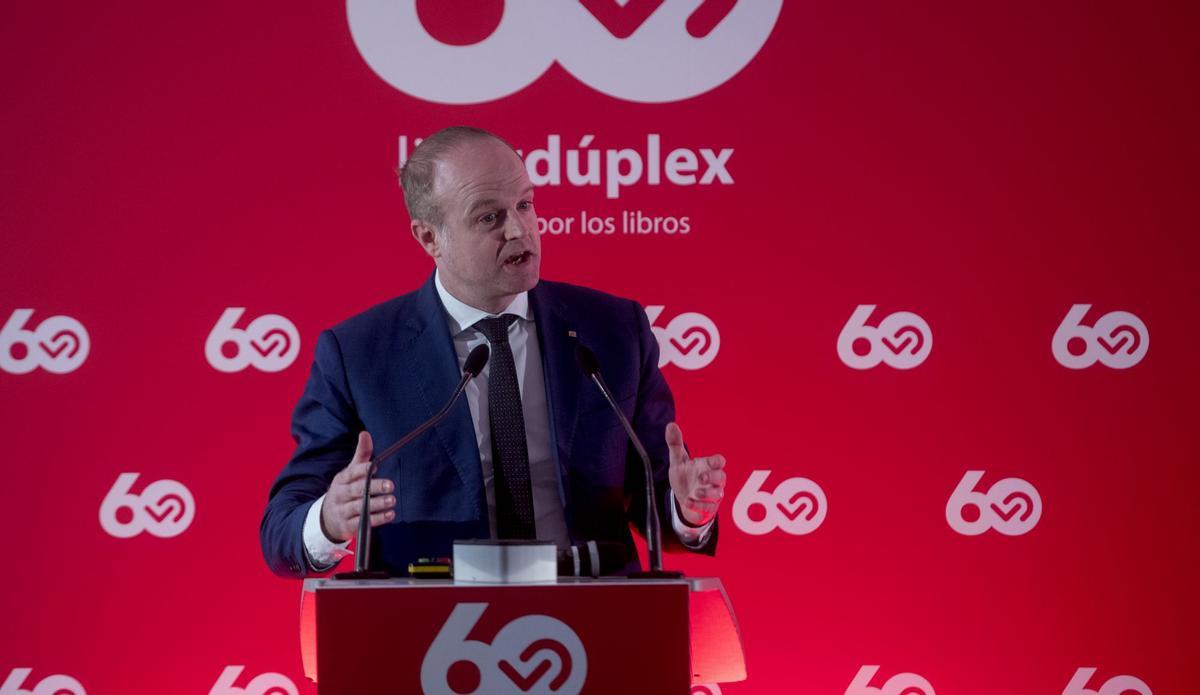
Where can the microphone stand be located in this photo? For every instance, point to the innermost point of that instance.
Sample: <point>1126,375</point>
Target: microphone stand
<point>587,361</point>
<point>362,557</point>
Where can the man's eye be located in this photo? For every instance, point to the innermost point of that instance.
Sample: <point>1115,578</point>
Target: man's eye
<point>525,205</point>
<point>488,218</point>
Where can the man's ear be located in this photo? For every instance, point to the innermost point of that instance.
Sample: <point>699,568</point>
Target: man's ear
<point>427,236</point>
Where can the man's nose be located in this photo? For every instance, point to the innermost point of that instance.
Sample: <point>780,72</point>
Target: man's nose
<point>516,226</point>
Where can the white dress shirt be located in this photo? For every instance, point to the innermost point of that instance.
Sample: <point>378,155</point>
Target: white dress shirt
<point>549,519</point>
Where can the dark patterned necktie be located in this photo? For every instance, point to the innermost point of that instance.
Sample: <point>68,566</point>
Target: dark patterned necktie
<point>510,452</point>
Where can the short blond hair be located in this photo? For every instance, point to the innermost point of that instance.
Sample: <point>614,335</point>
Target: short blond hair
<point>418,173</point>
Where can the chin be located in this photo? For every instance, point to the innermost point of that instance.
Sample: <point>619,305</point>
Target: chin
<point>530,282</point>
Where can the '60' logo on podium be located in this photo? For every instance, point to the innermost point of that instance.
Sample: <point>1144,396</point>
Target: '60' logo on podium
<point>57,684</point>
<point>532,655</point>
<point>262,684</point>
<point>899,684</point>
<point>1011,506</point>
<point>1118,340</point>
<point>59,344</point>
<point>164,509</point>
<point>690,341</point>
<point>797,505</point>
<point>902,340</point>
<point>270,343</point>
<point>1117,685</point>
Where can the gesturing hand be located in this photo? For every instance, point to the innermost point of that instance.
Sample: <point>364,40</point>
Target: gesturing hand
<point>698,483</point>
<point>343,503</point>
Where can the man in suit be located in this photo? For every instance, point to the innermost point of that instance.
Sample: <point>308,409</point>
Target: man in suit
<point>532,451</point>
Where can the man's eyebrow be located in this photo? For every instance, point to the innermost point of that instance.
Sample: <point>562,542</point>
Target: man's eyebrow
<point>482,203</point>
<point>492,202</point>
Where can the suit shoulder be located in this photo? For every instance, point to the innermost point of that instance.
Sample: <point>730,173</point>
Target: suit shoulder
<point>382,316</point>
<point>577,297</point>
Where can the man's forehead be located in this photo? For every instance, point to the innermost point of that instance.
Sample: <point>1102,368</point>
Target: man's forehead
<point>480,174</point>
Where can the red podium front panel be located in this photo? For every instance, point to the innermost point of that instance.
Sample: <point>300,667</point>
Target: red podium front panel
<point>439,638</point>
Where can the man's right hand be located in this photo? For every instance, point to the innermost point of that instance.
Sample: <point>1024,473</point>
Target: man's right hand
<point>343,503</point>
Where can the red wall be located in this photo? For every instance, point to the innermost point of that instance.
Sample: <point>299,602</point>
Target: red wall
<point>985,167</point>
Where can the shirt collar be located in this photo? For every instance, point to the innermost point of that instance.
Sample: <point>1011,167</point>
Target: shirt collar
<point>462,316</point>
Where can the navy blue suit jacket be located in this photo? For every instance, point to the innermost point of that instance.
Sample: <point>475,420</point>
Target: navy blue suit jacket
<point>393,366</point>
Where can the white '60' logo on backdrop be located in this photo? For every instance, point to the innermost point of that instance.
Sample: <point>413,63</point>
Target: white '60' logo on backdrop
<point>59,344</point>
<point>164,509</point>
<point>270,343</point>
<point>532,655</point>
<point>1118,340</point>
<point>57,684</point>
<point>690,341</point>
<point>262,684</point>
<point>899,684</point>
<point>1011,506</point>
<point>797,506</point>
<point>1117,685</point>
<point>660,61</point>
<point>902,340</point>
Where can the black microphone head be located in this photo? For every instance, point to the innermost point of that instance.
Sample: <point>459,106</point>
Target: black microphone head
<point>476,360</point>
<point>586,359</point>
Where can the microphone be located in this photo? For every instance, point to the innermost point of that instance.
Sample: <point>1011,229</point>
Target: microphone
<point>590,366</point>
<point>592,559</point>
<point>471,367</point>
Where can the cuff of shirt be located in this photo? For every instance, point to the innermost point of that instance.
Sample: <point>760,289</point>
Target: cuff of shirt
<point>322,553</point>
<point>690,536</point>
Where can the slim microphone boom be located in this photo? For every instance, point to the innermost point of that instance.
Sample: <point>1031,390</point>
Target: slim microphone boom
<point>590,366</point>
<point>471,367</point>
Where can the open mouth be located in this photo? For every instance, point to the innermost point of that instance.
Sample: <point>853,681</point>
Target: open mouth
<point>518,258</point>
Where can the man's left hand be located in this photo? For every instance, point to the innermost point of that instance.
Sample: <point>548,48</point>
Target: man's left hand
<point>698,483</point>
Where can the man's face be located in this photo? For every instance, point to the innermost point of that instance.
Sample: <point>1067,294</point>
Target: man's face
<point>488,249</point>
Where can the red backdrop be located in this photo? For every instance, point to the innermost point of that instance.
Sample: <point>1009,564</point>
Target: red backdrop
<point>983,167</point>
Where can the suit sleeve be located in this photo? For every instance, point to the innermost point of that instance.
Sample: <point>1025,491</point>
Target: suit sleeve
<point>655,409</point>
<point>325,427</point>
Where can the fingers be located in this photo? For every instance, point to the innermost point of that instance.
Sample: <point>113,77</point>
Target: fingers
<point>702,507</point>
<point>363,451</point>
<point>708,493</point>
<point>712,477</point>
<point>383,503</point>
<point>674,438</point>
<point>377,519</point>
<point>378,487</point>
<point>353,494</point>
<point>351,510</point>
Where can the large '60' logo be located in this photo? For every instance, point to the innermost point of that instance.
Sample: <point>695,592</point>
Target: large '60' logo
<point>58,684</point>
<point>164,509</point>
<point>1117,685</point>
<point>689,341</point>
<point>642,50</point>
<point>1011,506</point>
<point>59,344</point>
<point>1118,340</point>
<point>269,343</point>
<point>902,340</point>
<point>899,684</point>
<point>532,655</point>
<point>797,505</point>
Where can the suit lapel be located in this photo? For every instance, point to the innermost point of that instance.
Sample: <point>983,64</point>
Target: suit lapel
<point>557,341</point>
<point>435,371</point>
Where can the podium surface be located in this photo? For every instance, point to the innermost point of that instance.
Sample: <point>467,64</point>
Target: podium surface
<point>434,636</point>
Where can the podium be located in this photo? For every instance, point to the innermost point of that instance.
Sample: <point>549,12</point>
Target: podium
<point>433,636</point>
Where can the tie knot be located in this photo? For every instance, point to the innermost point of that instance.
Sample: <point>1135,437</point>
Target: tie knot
<point>495,329</point>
